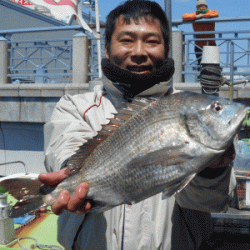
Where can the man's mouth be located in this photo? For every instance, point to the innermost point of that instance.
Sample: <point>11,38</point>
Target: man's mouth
<point>139,69</point>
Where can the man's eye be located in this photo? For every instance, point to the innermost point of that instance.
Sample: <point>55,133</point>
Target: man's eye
<point>126,41</point>
<point>153,42</point>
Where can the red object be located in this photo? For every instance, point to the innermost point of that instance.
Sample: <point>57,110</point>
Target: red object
<point>201,27</point>
<point>21,2</point>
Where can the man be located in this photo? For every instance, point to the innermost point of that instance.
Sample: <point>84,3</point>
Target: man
<point>202,12</point>
<point>136,63</point>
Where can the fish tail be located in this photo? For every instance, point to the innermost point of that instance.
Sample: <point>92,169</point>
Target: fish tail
<point>26,206</point>
<point>27,192</point>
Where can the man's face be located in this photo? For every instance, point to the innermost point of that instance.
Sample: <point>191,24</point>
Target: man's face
<point>139,47</point>
<point>201,7</point>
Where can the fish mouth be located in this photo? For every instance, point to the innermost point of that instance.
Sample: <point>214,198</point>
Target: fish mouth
<point>236,122</point>
<point>239,117</point>
<point>234,125</point>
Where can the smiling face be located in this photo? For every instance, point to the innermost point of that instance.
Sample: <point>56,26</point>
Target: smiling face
<point>137,47</point>
<point>201,7</point>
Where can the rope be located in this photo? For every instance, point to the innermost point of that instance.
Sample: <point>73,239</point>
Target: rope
<point>211,78</point>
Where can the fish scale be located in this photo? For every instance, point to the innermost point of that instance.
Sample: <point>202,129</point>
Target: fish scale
<point>151,146</point>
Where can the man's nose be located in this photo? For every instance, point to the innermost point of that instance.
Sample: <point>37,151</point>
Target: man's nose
<point>139,51</point>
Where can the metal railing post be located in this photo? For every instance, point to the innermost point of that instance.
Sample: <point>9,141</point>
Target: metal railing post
<point>168,11</point>
<point>227,55</point>
<point>231,67</point>
<point>248,47</point>
<point>41,76</point>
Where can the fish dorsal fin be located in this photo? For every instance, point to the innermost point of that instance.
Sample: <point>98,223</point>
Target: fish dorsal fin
<point>142,102</point>
<point>75,162</point>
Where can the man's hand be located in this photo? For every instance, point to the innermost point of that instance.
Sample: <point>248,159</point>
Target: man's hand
<point>225,159</point>
<point>76,203</point>
<point>219,165</point>
<point>199,16</point>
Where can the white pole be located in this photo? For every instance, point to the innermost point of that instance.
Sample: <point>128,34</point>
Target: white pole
<point>4,62</point>
<point>98,38</point>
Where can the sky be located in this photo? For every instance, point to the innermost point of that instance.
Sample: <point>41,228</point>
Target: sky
<point>226,9</point>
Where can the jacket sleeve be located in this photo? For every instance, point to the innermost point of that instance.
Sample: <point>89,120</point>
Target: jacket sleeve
<point>74,121</point>
<point>211,14</point>
<point>209,195</point>
<point>189,17</point>
<point>64,133</point>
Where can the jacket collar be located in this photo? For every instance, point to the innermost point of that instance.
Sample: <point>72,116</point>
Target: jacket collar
<point>118,99</point>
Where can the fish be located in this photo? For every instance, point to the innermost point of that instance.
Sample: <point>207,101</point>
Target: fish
<point>151,146</point>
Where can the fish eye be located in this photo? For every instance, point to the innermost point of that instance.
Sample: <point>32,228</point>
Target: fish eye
<point>217,107</point>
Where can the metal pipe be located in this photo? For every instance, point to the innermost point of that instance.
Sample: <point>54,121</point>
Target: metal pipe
<point>99,53</point>
<point>168,11</point>
<point>217,32</point>
<point>173,23</point>
<point>231,68</point>
<point>41,29</point>
<point>217,20</point>
<point>248,57</point>
<point>14,162</point>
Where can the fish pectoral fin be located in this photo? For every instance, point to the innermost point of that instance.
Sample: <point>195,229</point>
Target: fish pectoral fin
<point>177,187</point>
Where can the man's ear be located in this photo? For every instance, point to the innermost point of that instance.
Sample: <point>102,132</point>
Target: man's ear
<point>106,50</point>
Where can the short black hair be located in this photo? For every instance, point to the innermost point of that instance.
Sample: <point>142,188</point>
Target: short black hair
<point>136,9</point>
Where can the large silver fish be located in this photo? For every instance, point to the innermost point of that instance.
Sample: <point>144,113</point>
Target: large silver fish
<point>149,147</point>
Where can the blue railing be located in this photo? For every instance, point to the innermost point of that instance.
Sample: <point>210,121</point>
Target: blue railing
<point>234,50</point>
<point>41,61</point>
<point>46,61</point>
<point>239,42</point>
<point>51,60</point>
